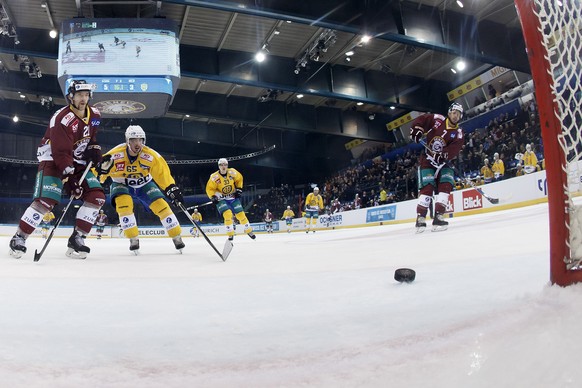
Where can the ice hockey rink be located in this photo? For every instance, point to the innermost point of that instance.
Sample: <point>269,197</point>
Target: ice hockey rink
<point>297,310</point>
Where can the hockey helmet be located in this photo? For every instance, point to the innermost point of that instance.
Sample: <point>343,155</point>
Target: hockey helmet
<point>80,86</point>
<point>135,132</point>
<point>486,161</point>
<point>222,161</point>
<point>458,107</point>
<point>496,156</point>
<point>316,188</point>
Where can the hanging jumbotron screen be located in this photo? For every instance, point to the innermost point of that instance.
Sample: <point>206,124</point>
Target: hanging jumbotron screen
<point>134,63</point>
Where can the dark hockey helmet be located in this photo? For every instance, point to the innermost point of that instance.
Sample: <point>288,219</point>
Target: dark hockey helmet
<point>79,86</point>
<point>456,106</point>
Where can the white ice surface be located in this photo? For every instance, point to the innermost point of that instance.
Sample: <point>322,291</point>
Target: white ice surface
<point>297,310</point>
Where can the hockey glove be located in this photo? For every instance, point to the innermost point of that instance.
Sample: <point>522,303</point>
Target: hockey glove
<point>238,193</point>
<point>416,133</point>
<point>175,194</point>
<point>214,199</point>
<point>72,183</point>
<point>93,153</point>
<point>105,165</point>
<point>437,159</point>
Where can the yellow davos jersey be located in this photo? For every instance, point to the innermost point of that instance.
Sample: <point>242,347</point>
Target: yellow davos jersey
<point>197,217</point>
<point>530,159</point>
<point>486,172</point>
<point>288,214</point>
<point>48,217</point>
<point>313,202</point>
<point>383,195</point>
<point>147,166</point>
<point>224,186</point>
<point>498,167</point>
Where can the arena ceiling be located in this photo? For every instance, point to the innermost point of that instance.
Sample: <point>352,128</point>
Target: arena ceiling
<point>406,65</point>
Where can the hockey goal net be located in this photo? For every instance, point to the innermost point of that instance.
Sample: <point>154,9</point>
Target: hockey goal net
<point>553,36</point>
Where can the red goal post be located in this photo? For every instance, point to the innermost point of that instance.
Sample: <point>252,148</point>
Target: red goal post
<point>552,31</point>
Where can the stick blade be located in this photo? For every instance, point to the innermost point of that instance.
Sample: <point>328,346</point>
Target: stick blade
<point>493,200</point>
<point>36,255</point>
<point>227,249</point>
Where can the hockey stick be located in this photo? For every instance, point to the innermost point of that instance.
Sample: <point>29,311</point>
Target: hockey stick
<point>201,205</point>
<point>37,255</point>
<point>490,199</point>
<point>227,246</point>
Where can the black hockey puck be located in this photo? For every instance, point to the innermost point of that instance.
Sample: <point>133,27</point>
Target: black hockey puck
<point>405,275</point>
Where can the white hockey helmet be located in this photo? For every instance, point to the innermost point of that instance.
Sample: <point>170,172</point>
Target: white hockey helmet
<point>316,188</point>
<point>496,156</point>
<point>486,161</point>
<point>456,106</point>
<point>528,147</point>
<point>135,132</point>
<point>288,207</point>
<point>222,161</point>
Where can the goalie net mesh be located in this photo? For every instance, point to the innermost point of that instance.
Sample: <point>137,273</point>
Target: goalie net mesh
<point>553,36</point>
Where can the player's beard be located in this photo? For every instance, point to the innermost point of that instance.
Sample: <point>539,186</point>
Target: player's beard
<point>81,107</point>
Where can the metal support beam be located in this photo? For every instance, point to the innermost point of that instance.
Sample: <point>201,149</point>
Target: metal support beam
<point>184,21</point>
<point>226,31</point>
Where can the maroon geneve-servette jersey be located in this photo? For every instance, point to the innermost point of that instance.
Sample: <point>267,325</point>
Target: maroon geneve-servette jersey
<point>67,137</point>
<point>441,136</point>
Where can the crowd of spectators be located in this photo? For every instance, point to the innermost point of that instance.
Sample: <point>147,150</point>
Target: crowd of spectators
<point>362,185</point>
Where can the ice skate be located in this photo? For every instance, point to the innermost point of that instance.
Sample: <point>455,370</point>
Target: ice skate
<point>252,235</point>
<point>230,238</point>
<point>77,248</point>
<point>134,245</point>
<point>439,224</point>
<point>178,243</point>
<point>17,246</point>
<point>420,224</point>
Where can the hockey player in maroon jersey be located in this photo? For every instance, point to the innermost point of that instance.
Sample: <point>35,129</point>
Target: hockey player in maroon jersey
<point>68,145</point>
<point>268,218</point>
<point>444,140</point>
<point>101,221</point>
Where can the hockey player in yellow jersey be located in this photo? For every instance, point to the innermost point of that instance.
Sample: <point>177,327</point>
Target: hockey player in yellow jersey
<point>138,172</point>
<point>486,172</point>
<point>47,219</point>
<point>313,204</point>
<point>196,217</point>
<point>288,215</point>
<point>224,188</point>
<point>498,167</point>
<point>529,160</point>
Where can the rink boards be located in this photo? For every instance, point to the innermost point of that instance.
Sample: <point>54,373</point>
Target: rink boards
<point>515,192</point>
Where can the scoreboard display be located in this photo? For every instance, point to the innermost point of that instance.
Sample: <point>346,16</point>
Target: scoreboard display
<point>134,63</point>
